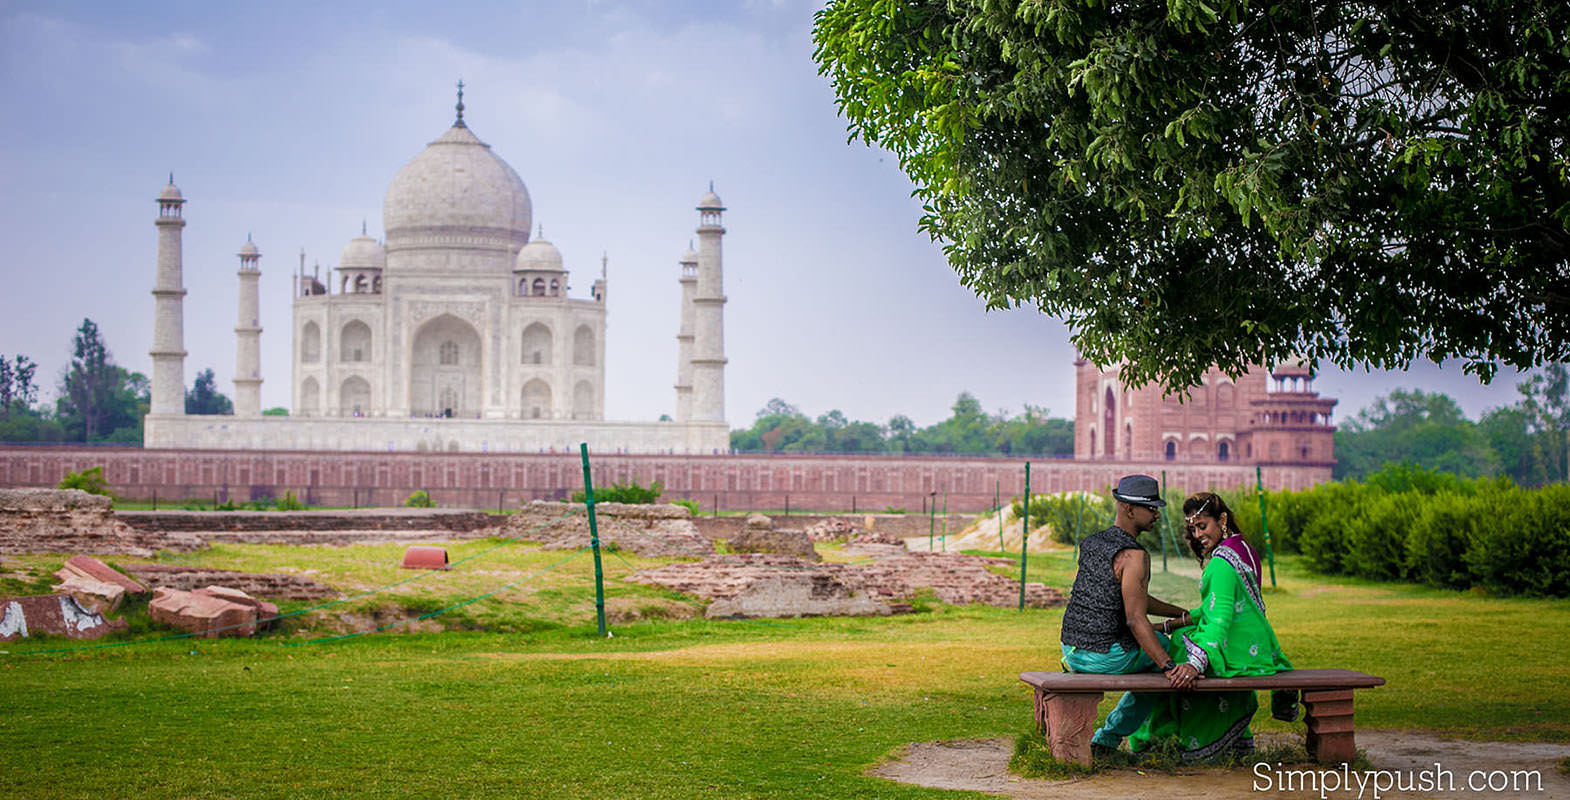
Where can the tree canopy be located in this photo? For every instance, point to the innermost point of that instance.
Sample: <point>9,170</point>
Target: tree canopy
<point>98,399</point>
<point>1189,183</point>
<point>781,427</point>
<point>204,398</point>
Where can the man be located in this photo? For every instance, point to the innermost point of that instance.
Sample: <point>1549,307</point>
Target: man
<point>1105,628</point>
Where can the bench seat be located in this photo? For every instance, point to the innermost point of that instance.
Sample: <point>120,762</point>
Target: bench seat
<point>1066,705</point>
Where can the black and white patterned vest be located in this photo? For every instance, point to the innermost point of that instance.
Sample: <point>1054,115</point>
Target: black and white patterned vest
<point>1094,619</point>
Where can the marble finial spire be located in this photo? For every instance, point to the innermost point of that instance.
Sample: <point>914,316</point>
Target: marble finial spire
<point>459,122</point>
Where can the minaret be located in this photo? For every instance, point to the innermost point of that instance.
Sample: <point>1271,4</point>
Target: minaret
<point>689,282</point>
<point>248,336</point>
<point>708,331</point>
<point>168,394</point>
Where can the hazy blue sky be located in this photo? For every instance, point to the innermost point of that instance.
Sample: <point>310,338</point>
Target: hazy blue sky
<point>287,121</point>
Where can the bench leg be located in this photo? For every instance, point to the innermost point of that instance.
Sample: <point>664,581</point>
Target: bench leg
<point>1330,725</point>
<point>1067,720</point>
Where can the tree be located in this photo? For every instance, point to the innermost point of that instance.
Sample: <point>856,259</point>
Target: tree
<point>280,411</point>
<point>1546,404</point>
<point>1233,183</point>
<point>99,400</point>
<point>1424,429</point>
<point>204,398</point>
<point>17,389</point>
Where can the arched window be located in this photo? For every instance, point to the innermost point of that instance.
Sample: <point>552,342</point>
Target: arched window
<point>1110,423</point>
<point>583,349</point>
<point>310,343</point>
<point>449,401</point>
<point>539,287</point>
<point>448,353</point>
<point>376,285</point>
<point>555,287</point>
<point>1171,451</point>
<point>361,285</point>
<point>537,344</point>
<point>1224,452</point>
<point>354,342</point>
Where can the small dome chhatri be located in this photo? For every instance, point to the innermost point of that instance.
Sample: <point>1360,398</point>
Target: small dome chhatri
<point>362,252</point>
<point>539,255</point>
<point>171,192</point>
<point>711,201</point>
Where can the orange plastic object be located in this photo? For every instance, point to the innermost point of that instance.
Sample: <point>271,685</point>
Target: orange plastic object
<point>424,557</point>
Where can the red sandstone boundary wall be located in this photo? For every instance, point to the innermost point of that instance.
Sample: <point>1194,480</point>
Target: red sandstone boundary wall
<point>487,480</point>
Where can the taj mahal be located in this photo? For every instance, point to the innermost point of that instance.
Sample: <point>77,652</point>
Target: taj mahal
<point>457,334</point>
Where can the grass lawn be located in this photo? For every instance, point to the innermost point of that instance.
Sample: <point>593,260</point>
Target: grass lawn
<point>786,708</point>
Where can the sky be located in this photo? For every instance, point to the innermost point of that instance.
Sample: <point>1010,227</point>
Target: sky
<point>287,121</point>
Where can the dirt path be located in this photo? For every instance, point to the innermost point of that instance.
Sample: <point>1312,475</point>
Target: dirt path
<point>982,765</point>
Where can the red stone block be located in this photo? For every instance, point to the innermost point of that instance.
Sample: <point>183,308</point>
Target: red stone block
<point>55,614</point>
<point>209,616</point>
<point>424,557</point>
<point>264,609</point>
<point>99,571</point>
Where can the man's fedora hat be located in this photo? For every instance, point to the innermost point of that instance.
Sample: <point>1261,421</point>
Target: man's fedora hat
<point>1141,490</point>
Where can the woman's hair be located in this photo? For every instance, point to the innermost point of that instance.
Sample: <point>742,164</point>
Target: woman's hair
<point>1211,505</point>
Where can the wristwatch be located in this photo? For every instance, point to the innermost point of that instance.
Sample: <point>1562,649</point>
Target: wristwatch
<point>1171,665</point>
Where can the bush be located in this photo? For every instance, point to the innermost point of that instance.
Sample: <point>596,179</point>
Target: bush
<point>687,503</point>
<point>1375,535</point>
<point>629,492</point>
<point>289,502</point>
<point>1071,516</point>
<point>420,499</point>
<point>90,480</point>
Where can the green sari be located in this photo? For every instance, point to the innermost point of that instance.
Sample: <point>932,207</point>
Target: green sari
<point>1230,637</point>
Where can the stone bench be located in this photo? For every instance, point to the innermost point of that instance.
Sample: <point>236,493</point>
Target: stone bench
<point>1066,705</point>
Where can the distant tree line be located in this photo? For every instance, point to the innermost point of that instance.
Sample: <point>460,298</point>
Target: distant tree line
<point>96,400</point>
<point>1528,441</point>
<point>781,428</point>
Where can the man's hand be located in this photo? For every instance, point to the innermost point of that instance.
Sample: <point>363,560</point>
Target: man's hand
<point>1183,676</point>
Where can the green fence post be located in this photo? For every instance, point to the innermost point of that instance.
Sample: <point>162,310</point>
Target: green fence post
<point>594,541</point>
<point>1264,524</point>
<point>945,520</point>
<point>931,510</point>
<point>1024,539</point>
<point>997,500</point>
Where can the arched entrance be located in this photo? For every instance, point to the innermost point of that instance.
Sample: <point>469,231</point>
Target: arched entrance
<point>444,374</point>
<point>1109,423</point>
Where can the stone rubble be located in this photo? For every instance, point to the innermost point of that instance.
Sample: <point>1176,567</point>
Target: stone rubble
<point>831,530</point>
<point>749,582</point>
<point>283,587</point>
<point>648,530</point>
<point>73,521</point>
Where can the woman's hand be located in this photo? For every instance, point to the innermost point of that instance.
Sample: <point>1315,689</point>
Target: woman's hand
<point>1183,676</point>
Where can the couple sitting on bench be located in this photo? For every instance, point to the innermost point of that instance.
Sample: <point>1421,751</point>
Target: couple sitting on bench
<point>1106,629</point>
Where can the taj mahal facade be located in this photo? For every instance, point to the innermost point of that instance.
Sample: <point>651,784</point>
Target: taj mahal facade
<point>458,334</point>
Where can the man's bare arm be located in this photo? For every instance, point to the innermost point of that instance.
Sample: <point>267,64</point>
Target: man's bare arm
<point>1132,568</point>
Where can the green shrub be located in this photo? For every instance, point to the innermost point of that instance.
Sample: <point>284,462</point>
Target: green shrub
<point>1376,535</point>
<point>629,492</point>
<point>289,502</point>
<point>687,503</point>
<point>1323,538</point>
<point>1521,542</point>
<point>90,480</point>
<point>1071,516</point>
<point>1436,546</point>
<point>420,499</point>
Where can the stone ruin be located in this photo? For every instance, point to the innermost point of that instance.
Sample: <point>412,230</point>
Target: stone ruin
<point>73,521</point>
<point>648,530</point>
<point>771,585</point>
<point>760,536</point>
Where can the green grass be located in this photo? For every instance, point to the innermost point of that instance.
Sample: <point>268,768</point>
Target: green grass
<point>522,699</point>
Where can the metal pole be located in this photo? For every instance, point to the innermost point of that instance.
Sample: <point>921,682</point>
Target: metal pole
<point>945,520</point>
<point>1163,523</point>
<point>1259,480</point>
<point>997,500</point>
<point>930,524</point>
<point>1024,539</point>
<point>594,541</point>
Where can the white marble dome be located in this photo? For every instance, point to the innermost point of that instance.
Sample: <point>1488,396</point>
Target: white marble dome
<point>457,182</point>
<point>362,252</point>
<point>539,255</point>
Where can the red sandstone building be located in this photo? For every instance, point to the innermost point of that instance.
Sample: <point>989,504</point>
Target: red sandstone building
<point>1266,418</point>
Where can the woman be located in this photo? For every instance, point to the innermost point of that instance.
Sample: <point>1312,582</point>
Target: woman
<point>1227,636</point>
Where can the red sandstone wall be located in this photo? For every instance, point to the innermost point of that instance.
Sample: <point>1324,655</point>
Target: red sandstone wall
<point>729,482</point>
